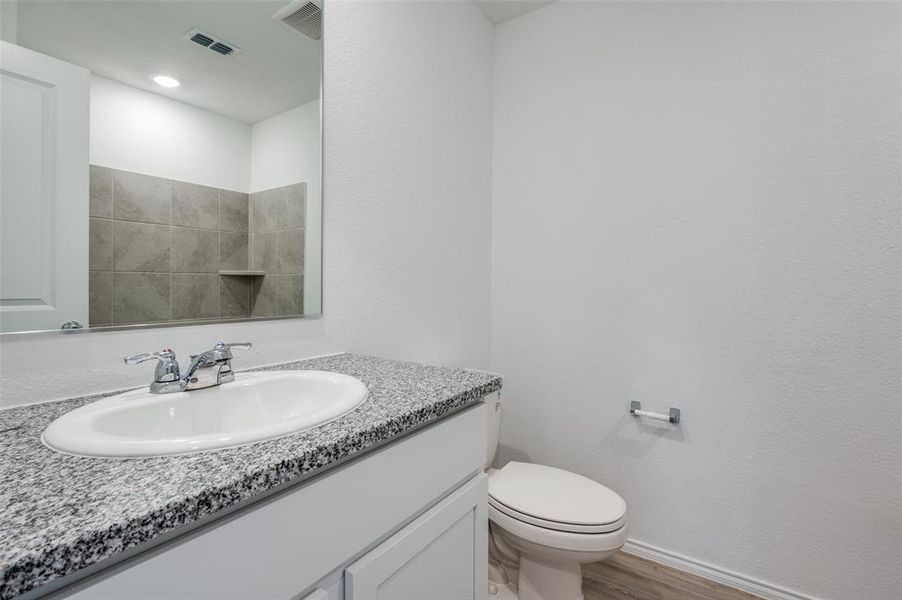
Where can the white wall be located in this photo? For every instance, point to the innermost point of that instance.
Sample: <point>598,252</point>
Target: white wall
<point>285,149</point>
<point>136,130</point>
<point>407,184</point>
<point>698,205</point>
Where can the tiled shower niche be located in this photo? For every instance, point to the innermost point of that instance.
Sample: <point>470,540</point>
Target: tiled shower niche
<point>158,248</point>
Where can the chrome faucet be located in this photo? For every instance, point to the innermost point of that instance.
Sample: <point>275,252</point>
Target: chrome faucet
<point>207,369</point>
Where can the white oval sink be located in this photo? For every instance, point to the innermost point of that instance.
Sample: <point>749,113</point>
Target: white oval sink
<point>254,407</point>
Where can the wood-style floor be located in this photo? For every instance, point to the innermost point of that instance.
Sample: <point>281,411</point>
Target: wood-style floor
<point>628,577</point>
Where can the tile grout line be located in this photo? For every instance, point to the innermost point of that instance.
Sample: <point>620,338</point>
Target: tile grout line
<point>158,224</point>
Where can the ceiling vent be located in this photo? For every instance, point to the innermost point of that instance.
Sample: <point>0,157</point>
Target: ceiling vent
<point>211,42</point>
<point>303,16</point>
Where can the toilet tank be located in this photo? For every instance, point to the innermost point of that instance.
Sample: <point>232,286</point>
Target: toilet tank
<point>493,429</point>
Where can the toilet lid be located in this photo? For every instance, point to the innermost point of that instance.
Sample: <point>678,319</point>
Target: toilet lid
<point>555,499</point>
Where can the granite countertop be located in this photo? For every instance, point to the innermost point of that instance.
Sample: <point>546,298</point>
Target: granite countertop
<point>63,513</point>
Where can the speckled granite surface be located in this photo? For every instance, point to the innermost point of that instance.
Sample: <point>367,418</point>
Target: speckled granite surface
<point>63,513</point>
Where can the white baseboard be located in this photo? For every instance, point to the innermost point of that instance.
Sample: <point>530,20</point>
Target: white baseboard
<point>743,583</point>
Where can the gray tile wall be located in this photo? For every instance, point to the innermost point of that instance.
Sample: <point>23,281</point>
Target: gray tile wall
<point>157,246</point>
<point>277,224</point>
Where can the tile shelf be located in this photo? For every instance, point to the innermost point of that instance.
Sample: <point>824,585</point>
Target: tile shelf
<point>241,273</point>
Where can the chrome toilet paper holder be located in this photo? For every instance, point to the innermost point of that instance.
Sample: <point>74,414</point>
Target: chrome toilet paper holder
<point>673,415</point>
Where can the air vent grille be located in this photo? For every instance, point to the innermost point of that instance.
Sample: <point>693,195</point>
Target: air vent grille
<point>304,17</point>
<point>201,39</point>
<point>211,42</point>
<point>221,48</point>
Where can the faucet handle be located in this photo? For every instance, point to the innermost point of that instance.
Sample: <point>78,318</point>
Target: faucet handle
<point>164,354</point>
<point>223,351</point>
<point>167,366</point>
<point>224,346</point>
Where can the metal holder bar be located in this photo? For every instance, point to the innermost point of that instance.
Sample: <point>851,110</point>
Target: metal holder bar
<point>673,415</point>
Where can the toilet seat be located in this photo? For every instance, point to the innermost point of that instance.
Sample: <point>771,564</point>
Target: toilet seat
<point>555,499</point>
<point>559,540</point>
<point>556,525</point>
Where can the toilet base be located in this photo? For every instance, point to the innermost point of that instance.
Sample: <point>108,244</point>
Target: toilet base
<point>506,592</point>
<point>543,580</point>
<point>544,572</point>
<point>501,591</point>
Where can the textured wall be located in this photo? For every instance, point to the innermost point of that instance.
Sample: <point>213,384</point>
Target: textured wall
<point>407,188</point>
<point>698,205</point>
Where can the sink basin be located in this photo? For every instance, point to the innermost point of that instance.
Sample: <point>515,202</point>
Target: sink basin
<point>253,408</point>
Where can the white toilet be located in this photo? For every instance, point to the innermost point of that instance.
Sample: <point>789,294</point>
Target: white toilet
<point>546,523</point>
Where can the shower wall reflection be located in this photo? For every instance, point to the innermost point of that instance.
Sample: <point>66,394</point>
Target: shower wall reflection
<point>167,251</point>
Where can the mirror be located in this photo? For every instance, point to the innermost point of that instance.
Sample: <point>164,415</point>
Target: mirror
<point>160,162</point>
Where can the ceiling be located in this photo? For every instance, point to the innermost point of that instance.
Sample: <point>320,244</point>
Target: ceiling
<point>499,11</point>
<point>129,41</point>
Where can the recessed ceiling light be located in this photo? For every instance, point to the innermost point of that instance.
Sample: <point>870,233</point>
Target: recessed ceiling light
<point>166,81</point>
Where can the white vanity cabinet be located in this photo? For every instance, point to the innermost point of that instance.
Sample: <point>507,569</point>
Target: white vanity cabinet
<point>408,520</point>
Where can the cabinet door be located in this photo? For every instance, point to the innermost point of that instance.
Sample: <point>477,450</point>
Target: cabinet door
<point>441,555</point>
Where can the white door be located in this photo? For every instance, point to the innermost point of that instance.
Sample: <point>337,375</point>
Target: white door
<point>442,555</point>
<point>43,191</point>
